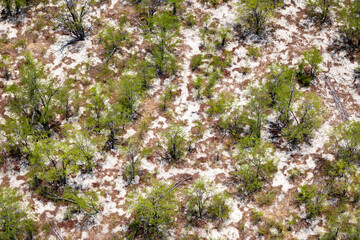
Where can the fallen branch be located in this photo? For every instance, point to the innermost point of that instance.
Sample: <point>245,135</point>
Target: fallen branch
<point>53,228</point>
<point>344,115</point>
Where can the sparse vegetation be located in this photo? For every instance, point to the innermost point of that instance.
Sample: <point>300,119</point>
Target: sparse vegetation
<point>152,119</point>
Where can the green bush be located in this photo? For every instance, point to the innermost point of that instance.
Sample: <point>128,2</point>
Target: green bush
<point>154,211</point>
<point>345,142</point>
<point>5,63</point>
<point>113,39</point>
<point>175,143</point>
<point>220,105</point>
<point>163,34</point>
<point>14,7</point>
<point>313,58</point>
<point>350,21</point>
<point>35,101</point>
<point>266,197</point>
<point>204,203</point>
<point>256,216</point>
<point>132,168</point>
<point>253,52</point>
<point>320,10</point>
<point>280,77</point>
<point>15,220</point>
<point>309,68</point>
<point>256,166</point>
<point>254,15</point>
<point>196,61</point>
<point>213,2</point>
<point>169,94</point>
<point>305,119</point>
<point>313,200</point>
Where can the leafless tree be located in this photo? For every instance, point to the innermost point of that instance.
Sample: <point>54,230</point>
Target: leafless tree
<point>73,20</point>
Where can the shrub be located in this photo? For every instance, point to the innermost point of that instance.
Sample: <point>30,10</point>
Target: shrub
<point>154,211</point>
<point>218,209</point>
<point>305,120</point>
<point>320,10</point>
<point>34,102</point>
<point>168,96</point>
<point>254,15</point>
<point>196,61</point>
<point>204,203</point>
<point>15,220</point>
<point>96,107</point>
<point>163,35</point>
<point>345,142</point>
<point>113,39</point>
<point>253,52</point>
<point>256,216</point>
<point>255,165</point>
<point>220,105</point>
<point>313,58</point>
<point>213,2</point>
<point>132,168</point>
<point>190,20</point>
<point>175,143</point>
<point>266,197</point>
<point>280,77</point>
<point>313,200</point>
<point>5,63</point>
<point>14,7</point>
<point>348,16</point>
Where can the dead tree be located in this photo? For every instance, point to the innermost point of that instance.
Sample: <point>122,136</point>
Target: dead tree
<point>74,19</point>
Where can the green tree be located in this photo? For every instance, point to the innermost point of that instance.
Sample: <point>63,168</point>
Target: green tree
<point>313,58</point>
<point>146,72</point>
<point>115,118</point>
<point>19,137</point>
<point>307,117</point>
<point>348,16</point>
<point>83,149</point>
<point>345,142</point>
<point>163,35</point>
<point>51,165</point>
<point>198,198</point>
<point>15,220</point>
<point>175,143</point>
<point>255,165</point>
<point>35,100</point>
<point>220,105</point>
<point>68,100</point>
<point>280,76</point>
<point>132,168</point>
<point>5,63</point>
<point>255,112</point>
<point>203,202</point>
<point>254,15</point>
<point>154,211</point>
<point>313,198</point>
<point>96,107</point>
<point>114,38</point>
<point>320,10</point>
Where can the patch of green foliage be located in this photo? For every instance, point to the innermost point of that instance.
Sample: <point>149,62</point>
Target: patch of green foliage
<point>15,220</point>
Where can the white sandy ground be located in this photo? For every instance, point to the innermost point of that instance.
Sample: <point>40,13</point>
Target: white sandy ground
<point>187,111</point>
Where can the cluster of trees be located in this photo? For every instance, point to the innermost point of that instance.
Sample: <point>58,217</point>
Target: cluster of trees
<point>338,183</point>
<point>156,208</point>
<point>32,134</point>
